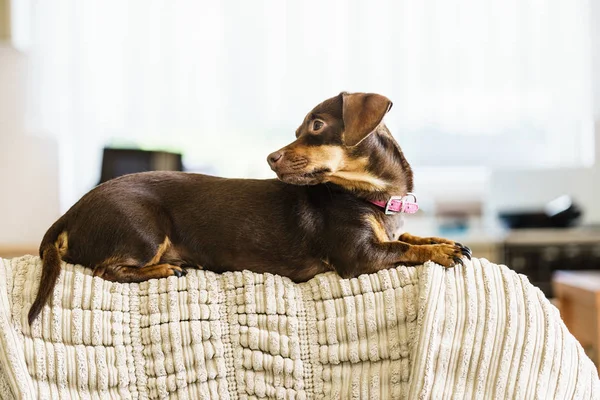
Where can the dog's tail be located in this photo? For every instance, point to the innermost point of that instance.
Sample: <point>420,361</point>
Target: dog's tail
<point>52,249</point>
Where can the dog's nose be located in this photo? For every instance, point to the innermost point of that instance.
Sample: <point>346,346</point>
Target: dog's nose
<point>274,158</point>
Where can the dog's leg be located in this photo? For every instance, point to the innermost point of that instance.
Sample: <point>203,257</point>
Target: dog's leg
<point>411,239</point>
<point>378,252</point>
<point>376,255</point>
<point>131,273</point>
<point>151,261</point>
<point>447,255</point>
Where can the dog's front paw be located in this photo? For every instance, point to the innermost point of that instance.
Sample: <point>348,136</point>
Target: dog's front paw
<point>411,239</point>
<point>465,251</point>
<point>447,255</point>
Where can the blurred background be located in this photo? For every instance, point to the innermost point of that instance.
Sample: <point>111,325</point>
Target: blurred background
<point>496,105</point>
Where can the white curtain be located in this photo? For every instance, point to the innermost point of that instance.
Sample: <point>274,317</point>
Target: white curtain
<point>474,82</point>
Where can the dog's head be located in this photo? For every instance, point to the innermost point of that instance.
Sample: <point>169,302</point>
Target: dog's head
<point>334,145</point>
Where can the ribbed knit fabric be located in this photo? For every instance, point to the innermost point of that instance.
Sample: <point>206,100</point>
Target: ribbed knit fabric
<point>477,332</point>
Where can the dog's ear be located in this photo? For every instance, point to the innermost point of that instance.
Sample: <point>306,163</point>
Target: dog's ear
<point>362,113</point>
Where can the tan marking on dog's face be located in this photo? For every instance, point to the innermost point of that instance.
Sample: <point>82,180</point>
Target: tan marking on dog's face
<point>310,165</point>
<point>354,176</point>
<point>320,164</point>
<point>322,157</point>
<point>378,229</point>
<point>162,249</point>
<point>62,243</point>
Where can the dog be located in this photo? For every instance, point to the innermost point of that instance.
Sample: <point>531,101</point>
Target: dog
<point>336,206</point>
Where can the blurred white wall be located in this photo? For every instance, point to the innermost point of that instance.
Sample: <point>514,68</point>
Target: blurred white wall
<point>28,164</point>
<point>13,81</point>
<point>474,84</point>
<point>521,188</point>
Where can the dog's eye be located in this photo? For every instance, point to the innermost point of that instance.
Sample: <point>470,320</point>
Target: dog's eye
<point>317,124</point>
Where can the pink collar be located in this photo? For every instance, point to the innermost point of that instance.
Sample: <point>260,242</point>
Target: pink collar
<point>398,204</point>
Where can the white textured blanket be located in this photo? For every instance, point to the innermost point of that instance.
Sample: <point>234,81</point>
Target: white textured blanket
<point>478,332</point>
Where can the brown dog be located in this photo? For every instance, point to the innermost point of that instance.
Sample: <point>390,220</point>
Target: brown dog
<point>317,217</point>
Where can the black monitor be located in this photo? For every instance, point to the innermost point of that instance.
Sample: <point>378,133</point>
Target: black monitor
<point>118,162</point>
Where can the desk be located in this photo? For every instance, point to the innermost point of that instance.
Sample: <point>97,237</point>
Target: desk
<point>578,296</point>
<point>538,253</point>
<point>18,250</point>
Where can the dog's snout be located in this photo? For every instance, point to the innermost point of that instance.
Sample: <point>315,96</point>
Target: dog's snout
<point>274,158</point>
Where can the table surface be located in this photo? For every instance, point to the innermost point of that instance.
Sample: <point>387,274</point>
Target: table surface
<point>587,280</point>
<point>553,236</point>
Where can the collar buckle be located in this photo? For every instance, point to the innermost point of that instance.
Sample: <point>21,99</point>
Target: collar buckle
<point>389,204</point>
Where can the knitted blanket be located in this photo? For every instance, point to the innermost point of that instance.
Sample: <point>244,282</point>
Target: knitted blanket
<point>478,332</point>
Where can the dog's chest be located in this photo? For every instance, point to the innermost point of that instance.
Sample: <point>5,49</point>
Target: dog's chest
<point>394,225</point>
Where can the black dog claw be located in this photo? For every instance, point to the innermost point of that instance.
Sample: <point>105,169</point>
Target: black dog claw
<point>179,273</point>
<point>458,260</point>
<point>462,246</point>
<point>466,252</point>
